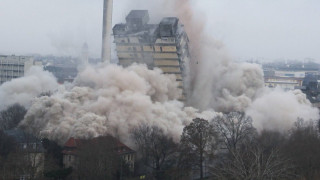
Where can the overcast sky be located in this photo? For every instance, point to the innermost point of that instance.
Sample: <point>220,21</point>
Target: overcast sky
<point>248,28</point>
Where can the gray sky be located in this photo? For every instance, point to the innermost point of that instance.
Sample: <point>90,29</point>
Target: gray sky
<point>248,28</point>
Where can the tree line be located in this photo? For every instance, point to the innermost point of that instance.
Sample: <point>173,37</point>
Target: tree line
<point>226,147</point>
<point>229,147</point>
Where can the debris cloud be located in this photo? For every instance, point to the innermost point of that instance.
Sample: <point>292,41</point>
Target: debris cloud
<point>113,100</point>
<point>23,90</point>
<point>279,110</point>
<point>219,83</point>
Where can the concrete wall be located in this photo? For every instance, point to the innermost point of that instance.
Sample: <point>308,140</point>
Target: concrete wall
<point>161,62</point>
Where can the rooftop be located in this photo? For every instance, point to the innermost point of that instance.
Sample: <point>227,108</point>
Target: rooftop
<point>71,146</point>
<point>169,20</point>
<point>138,14</point>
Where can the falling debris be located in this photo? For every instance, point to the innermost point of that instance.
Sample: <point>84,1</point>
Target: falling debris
<point>23,90</point>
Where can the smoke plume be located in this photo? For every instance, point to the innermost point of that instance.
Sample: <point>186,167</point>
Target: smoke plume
<point>219,83</point>
<point>24,90</point>
<point>279,110</point>
<point>113,100</point>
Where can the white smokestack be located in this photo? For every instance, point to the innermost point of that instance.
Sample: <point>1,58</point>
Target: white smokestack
<point>106,30</point>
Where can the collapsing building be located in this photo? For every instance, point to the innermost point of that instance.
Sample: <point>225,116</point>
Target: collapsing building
<point>163,45</point>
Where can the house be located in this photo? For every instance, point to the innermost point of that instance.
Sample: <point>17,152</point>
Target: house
<point>29,154</point>
<point>73,145</point>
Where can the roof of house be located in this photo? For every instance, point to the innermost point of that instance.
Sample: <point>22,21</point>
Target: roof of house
<point>72,144</point>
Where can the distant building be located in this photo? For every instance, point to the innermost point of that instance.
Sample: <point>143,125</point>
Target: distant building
<point>286,83</point>
<point>163,45</point>
<point>287,78</point>
<point>12,67</point>
<point>311,87</point>
<point>72,146</point>
<point>292,74</point>
<point>63,72</point>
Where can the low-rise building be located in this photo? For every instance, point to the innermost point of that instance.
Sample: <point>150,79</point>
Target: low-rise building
<point>12,67</point>
<point>286,83</point>
<point>288,75</point>
<point>30,154</point>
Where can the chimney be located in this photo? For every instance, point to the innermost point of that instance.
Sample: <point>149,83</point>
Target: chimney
<point>106,31</point>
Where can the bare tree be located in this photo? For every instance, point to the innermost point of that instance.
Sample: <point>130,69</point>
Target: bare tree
<point>53,152</point>
<point>23,163</point>
<point>199,141</point>
<point>303,147</point>
<point>157,151</point>
<point>97,159</point>
<point>233,128</point>
<point>251,161</point>
<point>7,144</point>
<point>249,156</point>
<point>12,116</point>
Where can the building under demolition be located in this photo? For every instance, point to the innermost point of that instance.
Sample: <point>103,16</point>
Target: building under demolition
<point>163,45</point>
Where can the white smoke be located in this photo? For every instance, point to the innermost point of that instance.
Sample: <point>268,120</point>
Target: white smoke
<point>219,83</point>
<point>23,90</point>
<point>114,100</point>
<point>278,110</point>
<point>222,84</point>
<point>226,86</point>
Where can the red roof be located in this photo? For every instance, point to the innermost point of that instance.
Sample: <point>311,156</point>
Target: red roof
<point>70,147</point>
<point>73,143</point>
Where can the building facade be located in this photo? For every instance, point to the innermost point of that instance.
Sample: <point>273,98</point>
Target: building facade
<point>12,67</point>
<point>285,83</point>
<point>163,45</point>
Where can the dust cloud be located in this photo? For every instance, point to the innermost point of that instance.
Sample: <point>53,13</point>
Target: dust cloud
<point>115,100</point>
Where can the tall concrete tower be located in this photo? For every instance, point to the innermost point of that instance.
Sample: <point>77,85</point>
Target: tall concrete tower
<point>106,30</point>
